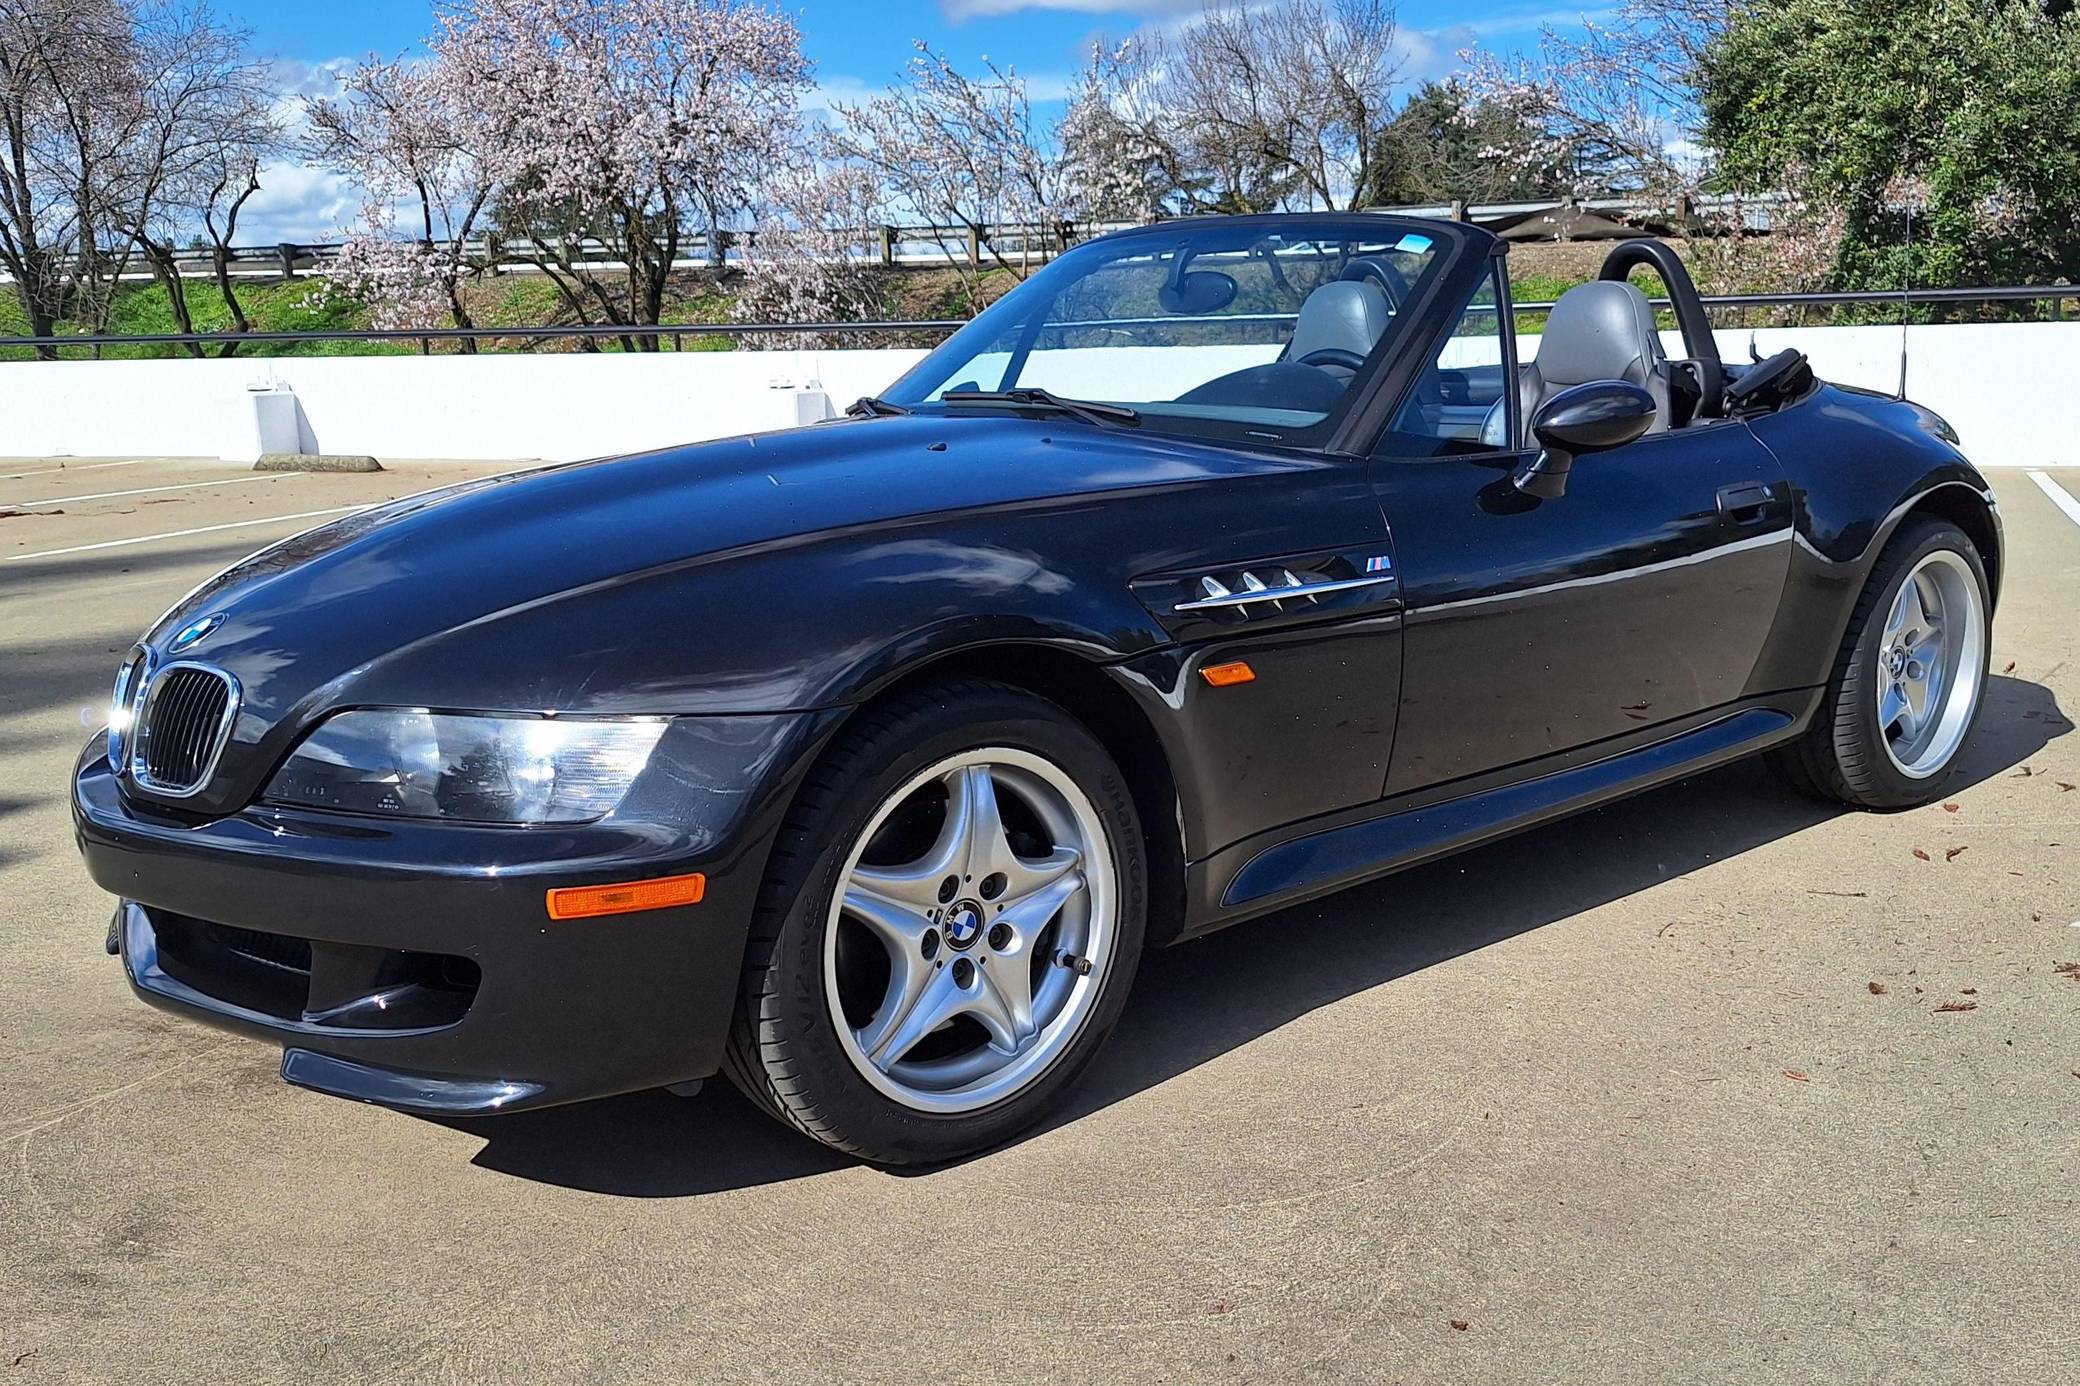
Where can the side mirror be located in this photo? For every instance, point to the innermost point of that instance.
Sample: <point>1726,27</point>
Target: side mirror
<point>1582,419</point>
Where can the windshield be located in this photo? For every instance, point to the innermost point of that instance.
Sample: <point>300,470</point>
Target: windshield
<point>1240,328</point>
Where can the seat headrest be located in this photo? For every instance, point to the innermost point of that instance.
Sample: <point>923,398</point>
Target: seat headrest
<point>1600,331</point>
<point>1346,314</point>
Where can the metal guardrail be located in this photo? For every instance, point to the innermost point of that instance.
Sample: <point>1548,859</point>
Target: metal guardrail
<point>896,244</point>
<point>2057,294</point>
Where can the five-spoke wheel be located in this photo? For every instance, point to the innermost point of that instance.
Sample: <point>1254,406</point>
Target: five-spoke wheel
<point>951,922</point>
<point>972,930</point>
<point>1908,678</point>
<point>1931,660</point>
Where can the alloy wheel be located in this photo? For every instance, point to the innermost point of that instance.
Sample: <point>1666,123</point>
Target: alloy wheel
<point>971,930</point>
<point>1931,664</point>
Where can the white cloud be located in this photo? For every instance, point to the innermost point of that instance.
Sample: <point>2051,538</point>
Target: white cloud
<point>1179,14</point>
<point>1530,21</point>
<point>836,90</point>
<point>958,10</point>
<point>298,204</point>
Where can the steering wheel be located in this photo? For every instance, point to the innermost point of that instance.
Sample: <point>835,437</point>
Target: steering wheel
<point>1334,356</point>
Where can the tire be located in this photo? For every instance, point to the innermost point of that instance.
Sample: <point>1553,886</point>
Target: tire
<point>860,941</point>
<point>1846,755</point>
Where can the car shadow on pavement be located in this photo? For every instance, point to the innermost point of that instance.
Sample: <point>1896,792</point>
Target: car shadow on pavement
<point>1193,1003</point>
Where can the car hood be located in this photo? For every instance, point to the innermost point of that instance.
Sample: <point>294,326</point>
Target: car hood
<point>323,617</point>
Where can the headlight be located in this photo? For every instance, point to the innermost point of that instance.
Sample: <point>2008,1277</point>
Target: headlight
<point>122,707</point>
<point>410,764</point>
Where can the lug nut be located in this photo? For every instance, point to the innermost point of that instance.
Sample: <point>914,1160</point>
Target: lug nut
<point>1000,936</point>
<point>963,973</point>
<point>993,885</point>
<point>931,944</point>
<point>949,888</point>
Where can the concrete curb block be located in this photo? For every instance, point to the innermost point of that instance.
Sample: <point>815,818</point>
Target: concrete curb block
<point>316,462</point>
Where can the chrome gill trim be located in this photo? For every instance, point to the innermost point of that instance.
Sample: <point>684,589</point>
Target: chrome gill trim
<point>140,759</point>
<point>1279,594</point>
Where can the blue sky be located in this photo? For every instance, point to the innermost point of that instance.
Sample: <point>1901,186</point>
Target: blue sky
<point>858,47</point>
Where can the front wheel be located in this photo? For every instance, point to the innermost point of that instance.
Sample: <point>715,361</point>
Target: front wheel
<point>949,928</point>
<point>1908,681</point>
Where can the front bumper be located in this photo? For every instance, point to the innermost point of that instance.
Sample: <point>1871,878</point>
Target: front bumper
<point>414,964</point>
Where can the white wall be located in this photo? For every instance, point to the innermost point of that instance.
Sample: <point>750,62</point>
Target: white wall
<point>560,407</point>
<point>2008,389</point>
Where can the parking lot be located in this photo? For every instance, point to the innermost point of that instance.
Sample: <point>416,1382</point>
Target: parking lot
<point>1714,1085</point>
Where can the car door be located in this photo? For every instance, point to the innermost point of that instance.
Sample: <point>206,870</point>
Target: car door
<point>1532,627</point>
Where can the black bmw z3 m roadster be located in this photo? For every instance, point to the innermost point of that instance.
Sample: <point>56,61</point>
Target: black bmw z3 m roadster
<point>1223,564</point>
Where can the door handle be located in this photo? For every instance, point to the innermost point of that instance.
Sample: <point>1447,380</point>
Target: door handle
<point>1745,503</point>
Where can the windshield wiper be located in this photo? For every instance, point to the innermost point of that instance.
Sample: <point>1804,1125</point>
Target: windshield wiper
<point>873,407</point>
<point>1089,410</point>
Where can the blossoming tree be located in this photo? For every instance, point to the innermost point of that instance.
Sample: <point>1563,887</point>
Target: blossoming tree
<point>620,123</point>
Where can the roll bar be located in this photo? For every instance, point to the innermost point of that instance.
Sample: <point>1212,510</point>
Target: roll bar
<point>1698,342</point>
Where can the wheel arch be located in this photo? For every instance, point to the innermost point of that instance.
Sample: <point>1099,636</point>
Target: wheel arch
<point>1087,691</point>
<point>1967,508</point>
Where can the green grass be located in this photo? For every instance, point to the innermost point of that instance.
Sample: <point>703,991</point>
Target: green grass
<point>531,300</point>
<point>141,310</point>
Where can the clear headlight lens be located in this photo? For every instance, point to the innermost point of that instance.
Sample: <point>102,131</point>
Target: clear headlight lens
<point>409,764</point>
<point>122,708</point>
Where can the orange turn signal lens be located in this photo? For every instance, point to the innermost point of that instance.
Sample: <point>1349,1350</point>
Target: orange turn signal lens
<point>1228,675</point>
<point>587,902</point>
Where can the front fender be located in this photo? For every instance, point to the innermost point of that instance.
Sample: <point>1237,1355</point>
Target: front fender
<point>791,628</point>
<point>1859,466</point>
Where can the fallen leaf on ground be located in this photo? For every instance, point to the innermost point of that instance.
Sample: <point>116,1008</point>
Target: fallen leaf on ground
<point>1795,1076</point>
<point>1949,808</point>
<point>2063,787</point>
<point>1969,991</point>
<point>1954,853</point>
<point>2010,669</point>
<point>1877,988</point>
<point>1460,1324</point>
<point>2024,773</point>
<point>1220,1306</point>
<point>1920,855</point>
<point>2069,971</point>
<point>1957,1006</point>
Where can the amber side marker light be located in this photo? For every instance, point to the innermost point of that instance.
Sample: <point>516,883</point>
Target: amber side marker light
<point>587,902</point>
<point>1228,675</point>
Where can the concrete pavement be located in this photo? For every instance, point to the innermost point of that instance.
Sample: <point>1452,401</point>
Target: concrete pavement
<point>1661,1094</point>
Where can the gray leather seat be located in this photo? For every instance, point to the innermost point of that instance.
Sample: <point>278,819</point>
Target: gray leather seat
<point>1599,331</point>
<point>1343,315</point>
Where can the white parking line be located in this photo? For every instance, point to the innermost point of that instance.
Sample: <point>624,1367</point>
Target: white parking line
<point>88,467</point>
<point>137,491</point>
<point>183,533</point>
<point>2060,497</point>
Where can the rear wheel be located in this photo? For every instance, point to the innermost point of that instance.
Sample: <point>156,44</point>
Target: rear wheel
<point>1908,681</point>
<point>948,930</point>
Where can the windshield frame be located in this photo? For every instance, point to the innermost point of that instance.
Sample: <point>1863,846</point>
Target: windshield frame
<point>1023,311</point>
